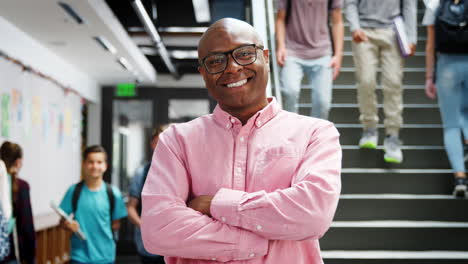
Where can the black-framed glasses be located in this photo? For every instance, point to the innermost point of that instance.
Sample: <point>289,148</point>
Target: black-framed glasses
<point>243,55</point>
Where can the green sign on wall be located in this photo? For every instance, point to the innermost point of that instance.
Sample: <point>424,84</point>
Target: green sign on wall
<point>126,90</point>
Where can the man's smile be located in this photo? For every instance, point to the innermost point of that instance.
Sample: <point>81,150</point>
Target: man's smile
<point>236,84</point>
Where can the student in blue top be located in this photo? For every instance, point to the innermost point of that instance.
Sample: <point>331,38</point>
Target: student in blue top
<point>91,208</point>
<point>134,203</point>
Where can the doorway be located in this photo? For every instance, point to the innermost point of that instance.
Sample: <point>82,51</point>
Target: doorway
<point>126,130</point>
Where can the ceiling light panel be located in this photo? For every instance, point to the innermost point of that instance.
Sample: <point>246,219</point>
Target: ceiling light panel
<point>105,44</point>
<point>72,13</point>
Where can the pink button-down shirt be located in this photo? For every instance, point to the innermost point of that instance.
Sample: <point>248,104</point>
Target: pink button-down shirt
<point>275,181</point>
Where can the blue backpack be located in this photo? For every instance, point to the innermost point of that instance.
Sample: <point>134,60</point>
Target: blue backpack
<point>4,237</point>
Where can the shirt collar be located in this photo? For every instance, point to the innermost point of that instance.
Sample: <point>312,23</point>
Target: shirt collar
<point>260,118</point>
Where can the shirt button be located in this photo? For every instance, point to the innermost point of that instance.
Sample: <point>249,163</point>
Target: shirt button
<point>223,218</point>
<point>233,120</point>
<point>213,258</point>
<point>252,255</point>
<point>259,123</point>
<point>241,139</point>
<point>259,227</point>
<point>228,125</point>
<point>239,170</point>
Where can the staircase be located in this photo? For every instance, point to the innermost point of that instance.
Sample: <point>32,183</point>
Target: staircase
<point>394,214</point>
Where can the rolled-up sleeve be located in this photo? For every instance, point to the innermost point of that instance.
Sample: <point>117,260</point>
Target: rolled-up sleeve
<point>352,14</point>
<point>303,211</point>
<point>170,228</point>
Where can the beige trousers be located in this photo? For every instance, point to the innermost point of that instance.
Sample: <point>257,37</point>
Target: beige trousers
<point>381,50</point>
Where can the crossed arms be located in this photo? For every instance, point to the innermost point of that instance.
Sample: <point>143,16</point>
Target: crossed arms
<point>241,223</point>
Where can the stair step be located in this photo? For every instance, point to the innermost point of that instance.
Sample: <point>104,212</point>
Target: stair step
<point>407,181</point>
<point>409,136</point>
<point>349,114</point>
<point>362,207</point>
<point>396,235</point>
<point>411,76</point>
<point>420,157</point>
<point>349,96</point>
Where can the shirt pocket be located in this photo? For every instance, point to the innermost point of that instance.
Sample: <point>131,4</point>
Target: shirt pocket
<point>275,167</point>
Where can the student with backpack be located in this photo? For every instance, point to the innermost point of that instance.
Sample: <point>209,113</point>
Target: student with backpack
<point>97,209</point>
<point>134,204</point>
<point>447,77</point>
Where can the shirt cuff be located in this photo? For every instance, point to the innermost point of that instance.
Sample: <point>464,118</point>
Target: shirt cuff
<point>225,204</point>
<point>251,246</point>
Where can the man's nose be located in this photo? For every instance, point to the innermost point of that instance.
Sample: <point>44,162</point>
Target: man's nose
<point>232,66</point>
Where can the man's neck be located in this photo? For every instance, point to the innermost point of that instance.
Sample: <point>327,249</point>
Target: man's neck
<point>245,114</point>
<point>93,183</point>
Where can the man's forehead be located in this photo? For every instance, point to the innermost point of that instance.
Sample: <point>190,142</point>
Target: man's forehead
<point>226,34</point>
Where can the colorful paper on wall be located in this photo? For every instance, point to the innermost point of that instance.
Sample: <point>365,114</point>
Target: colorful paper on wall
<point>60,130</point>
<point>27,109</point>
<point>68,122</point>
<point>36,111</point>
<point>45,123</point>
<point>5,115</point>
<point>17,105</point>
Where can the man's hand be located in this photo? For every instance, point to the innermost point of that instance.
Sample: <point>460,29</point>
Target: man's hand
<point>281,56</point>
<point>412,49</point>
<point>201,204</point>
<point>359,36</point>
<point>431,90</point>
<point>335,63</point>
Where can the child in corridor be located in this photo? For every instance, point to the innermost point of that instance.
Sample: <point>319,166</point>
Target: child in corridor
<point>97,208</point>
<point>12,156</point>
<point>134,204</point>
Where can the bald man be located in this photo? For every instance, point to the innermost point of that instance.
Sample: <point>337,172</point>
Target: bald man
<point>250,183</point>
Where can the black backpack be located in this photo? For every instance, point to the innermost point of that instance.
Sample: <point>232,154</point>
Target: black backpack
<point>110,195</point>
<point>451,27</point>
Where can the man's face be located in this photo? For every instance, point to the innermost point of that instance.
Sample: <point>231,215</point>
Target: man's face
<point>238,88</point>
<point>95,165</point>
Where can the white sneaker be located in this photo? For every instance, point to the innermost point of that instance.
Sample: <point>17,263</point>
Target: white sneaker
<point>392,148</point>
<point>369,139</point>
<point>459,191</point>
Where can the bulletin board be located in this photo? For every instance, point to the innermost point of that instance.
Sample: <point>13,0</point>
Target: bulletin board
<point>46,121</point>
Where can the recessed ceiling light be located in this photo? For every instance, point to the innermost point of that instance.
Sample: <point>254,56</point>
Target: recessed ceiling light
<point>125,64</point>
<point>71,12</point>
<point>105,44</point>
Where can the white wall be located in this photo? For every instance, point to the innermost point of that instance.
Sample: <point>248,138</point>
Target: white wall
<point>46,122</point>
<point>19,45</point>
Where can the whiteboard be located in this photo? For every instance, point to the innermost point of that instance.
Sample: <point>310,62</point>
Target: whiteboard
<point>46,122</point>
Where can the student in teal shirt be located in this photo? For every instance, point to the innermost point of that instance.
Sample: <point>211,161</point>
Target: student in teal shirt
<point>92,214</point>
